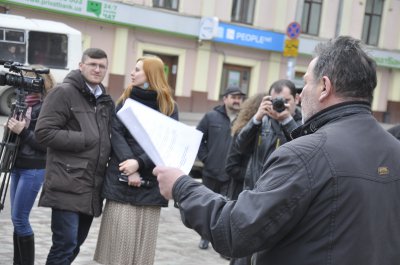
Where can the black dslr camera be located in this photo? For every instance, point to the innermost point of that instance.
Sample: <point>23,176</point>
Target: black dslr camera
<point>19,81</point>
<point>278,104</point>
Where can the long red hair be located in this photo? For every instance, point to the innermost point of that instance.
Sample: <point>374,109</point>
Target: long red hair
<point>153,68</point>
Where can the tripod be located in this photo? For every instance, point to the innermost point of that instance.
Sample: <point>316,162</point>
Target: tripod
<point>10,143</point>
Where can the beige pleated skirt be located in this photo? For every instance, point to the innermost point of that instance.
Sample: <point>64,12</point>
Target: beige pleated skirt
<point>128,234</point>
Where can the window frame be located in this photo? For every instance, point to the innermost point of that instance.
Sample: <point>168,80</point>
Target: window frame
<point>241,10</point>
<point>166,4</point>
<point>307,16</point>
<point>370,21</point>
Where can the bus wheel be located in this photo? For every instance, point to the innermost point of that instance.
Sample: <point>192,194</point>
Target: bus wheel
<point>6,100</point>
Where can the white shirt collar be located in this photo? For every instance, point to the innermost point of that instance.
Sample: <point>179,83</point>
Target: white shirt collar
<point>96,91</point>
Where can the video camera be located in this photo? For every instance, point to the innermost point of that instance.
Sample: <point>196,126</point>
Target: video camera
<point>29,84</point>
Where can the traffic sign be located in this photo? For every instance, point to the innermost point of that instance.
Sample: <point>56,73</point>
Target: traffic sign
<point>293,30</point>
<point>291,48</point>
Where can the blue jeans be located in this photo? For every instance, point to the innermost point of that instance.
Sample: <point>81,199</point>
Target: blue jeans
<point>70,230</point>
<point>24,187</point>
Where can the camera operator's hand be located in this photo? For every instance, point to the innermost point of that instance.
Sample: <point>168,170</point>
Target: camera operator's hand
<point>129,166</point>
<point>280,116</point>
<point>15,125</point>
<point>266,108</point>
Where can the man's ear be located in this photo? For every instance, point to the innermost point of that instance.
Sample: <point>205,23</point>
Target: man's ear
<point>297,99</point>
<point>326,89</point>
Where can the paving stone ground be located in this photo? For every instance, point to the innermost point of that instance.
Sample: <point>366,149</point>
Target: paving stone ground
<point>176,244</point>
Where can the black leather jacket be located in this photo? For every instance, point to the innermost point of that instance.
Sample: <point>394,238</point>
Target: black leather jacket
<point>258,141</point>
<point>328,197</point>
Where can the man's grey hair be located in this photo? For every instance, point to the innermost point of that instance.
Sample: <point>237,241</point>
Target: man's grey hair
<point>351,71</point>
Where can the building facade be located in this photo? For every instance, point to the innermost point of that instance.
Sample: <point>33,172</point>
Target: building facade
<point>207,44</point>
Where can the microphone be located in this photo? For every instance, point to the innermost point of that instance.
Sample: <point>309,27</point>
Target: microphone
<point>143,183</point>
<point>146,184</point>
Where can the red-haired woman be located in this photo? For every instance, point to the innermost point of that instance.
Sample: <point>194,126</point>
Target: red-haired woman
<point>128,231</point>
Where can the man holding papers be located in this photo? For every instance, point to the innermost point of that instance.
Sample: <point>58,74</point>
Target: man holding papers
<point>128,231</point>
<point>330,196</point>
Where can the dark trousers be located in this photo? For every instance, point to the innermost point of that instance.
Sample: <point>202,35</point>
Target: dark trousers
<point>216,185</point>
<point>70,230</point>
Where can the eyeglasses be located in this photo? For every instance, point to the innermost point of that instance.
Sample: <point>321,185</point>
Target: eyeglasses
<point>102,67</point>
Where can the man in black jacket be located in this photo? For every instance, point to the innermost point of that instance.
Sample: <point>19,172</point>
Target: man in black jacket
<point>216,128</point>
<point>277,116</point>
<point>330,196</point>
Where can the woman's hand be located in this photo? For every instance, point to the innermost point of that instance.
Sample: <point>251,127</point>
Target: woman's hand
<point>15,125</point>
<point>129,166</point>
<point>134,179</point>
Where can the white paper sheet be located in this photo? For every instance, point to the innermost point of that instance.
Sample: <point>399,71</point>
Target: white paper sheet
<point>166,141</point>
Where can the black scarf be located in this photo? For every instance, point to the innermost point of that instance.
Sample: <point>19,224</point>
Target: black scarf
<point>145,96</point>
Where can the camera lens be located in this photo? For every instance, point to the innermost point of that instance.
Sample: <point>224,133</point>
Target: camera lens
<point>278,104</point>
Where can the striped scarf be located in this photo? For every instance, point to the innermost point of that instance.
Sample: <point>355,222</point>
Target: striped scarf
<point>33,99</point>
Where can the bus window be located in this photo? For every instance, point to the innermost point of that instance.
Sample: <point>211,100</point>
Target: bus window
<point>48,49</point>
<point>12,45</point>
<point>13,35</point>
<point>12,52</point>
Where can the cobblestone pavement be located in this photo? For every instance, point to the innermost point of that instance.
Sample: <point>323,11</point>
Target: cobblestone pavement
<point>176,244</point>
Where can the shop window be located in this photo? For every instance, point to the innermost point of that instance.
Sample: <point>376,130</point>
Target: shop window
<point>166,4</point>
<point>243,11</point>
<point>234,75</point>
<point>311,17</point>
<point>372,21</point>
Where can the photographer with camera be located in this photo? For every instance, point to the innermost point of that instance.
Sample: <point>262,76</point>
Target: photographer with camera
<point>27,175</point>
<point>276,117</point>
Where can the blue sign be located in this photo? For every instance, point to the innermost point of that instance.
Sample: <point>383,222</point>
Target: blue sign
<point>254,38</point>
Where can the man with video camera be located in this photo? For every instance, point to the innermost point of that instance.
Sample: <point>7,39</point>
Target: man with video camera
<point>277,116</point>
